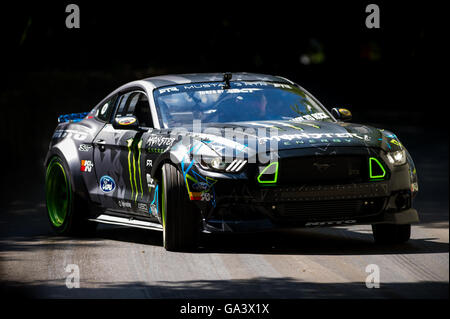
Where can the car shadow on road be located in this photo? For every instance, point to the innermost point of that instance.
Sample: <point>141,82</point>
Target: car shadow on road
<point>326,241</point>
<point>258,287</point>
<point>354,240</point>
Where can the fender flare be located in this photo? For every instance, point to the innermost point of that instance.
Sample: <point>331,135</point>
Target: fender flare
<point>73,163</point>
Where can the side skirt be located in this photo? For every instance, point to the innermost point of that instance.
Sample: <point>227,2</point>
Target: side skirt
<point>129,222</point>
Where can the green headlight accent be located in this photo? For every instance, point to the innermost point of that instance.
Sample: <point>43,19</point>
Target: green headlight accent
<point>373,167</point>
<point>275,178</point>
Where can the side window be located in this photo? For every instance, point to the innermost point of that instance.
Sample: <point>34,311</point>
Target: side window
<point>105,110</point>
<point>135,103</point>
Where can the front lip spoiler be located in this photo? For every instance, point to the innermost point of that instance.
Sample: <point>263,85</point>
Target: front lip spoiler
<point>408,216</point>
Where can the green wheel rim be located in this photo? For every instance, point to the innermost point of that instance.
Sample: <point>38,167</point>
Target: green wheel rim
<point>58,193</point>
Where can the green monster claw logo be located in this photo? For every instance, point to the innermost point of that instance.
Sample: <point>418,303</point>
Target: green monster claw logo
<point>133,145</point>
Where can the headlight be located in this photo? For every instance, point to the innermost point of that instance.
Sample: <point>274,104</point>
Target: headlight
<point>218,164</point>
<point>397,158</point>
<point>215,163</point>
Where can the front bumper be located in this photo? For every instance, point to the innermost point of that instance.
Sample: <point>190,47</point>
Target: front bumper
<point>309,206</point>
<point>239,203</point>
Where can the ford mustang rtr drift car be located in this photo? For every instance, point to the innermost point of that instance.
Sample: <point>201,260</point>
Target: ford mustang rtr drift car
<point>155,154</point>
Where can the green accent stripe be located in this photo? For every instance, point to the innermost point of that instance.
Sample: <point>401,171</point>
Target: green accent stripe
<point>139,166</point>
<point>134,175</point>
<point>129,143</point>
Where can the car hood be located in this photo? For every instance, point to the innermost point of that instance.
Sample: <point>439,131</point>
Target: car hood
<point>250,136</point>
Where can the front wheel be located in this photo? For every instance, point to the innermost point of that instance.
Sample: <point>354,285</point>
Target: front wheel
<point>391,233</point>
<point>65,210</point>
<point>180,219</point>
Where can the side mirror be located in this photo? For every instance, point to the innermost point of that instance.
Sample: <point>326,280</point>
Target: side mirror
<point>126,123</point>
<point>341,114</point>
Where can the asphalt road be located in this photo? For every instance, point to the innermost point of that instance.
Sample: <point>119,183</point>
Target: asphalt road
<point>321,263</point>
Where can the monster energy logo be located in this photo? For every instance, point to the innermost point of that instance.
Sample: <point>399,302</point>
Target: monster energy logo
<point>133,161</point>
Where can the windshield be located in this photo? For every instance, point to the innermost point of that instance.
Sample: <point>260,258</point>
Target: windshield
<point>244,101</point>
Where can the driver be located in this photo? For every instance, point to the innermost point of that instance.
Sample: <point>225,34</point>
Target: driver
<point>251,106</point>
<point>243,107</point>
<point>256,106</point>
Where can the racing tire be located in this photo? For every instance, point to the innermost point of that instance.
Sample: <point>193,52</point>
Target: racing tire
<point>66,211</point>
<point>180,219</point>
<point>391,233</point>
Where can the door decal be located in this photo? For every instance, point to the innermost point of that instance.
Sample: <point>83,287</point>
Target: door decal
<point>134,144</point>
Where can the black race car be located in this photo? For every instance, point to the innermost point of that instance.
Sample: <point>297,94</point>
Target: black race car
<point>225,152</point>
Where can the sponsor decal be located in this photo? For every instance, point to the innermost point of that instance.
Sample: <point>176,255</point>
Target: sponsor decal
<point>76,135</point>
<point>322,167</point>
<point>313,137</point>
<point>104,108</point>
<point>155,150</point>
<point>124,204</point>
<point>169,89</point>
<point>200,186</point>
<point>159,141</point>
<point>218,86</point>
<point>229,91</point>
<point>311,117</point>
<point>142,206</point>
<point>134,167</point>
<point>107,184</point>
<point>149,163</point>
<point>84,148</point>
<point>153,210</point>
<point>155,203</point>
<point>86,166</point>
<point>126,120</point>
<point>396,142</point>
<point>331,223</point>
<point>196,196</point>
<point>150,182</point>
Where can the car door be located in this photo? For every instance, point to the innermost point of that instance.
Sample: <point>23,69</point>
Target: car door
<point>119,159</point>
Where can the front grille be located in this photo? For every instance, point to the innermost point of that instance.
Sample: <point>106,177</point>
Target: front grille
<point>331,209</point>
<point>340,169</point>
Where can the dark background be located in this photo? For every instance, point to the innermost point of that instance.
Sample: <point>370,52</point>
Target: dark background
<point>384,76</point>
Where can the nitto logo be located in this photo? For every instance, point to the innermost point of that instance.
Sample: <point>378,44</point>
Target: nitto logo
<point>332,222</point>
<point>322,167</point>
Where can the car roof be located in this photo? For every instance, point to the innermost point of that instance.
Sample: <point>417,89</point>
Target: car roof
<point>176,79</point>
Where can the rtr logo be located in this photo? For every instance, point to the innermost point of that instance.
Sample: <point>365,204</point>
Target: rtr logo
<point>107,184</point>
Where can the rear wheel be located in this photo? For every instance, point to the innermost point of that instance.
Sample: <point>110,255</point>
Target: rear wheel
<point>180,219</point>
<point>65,210</point>
<point>391,233</point>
